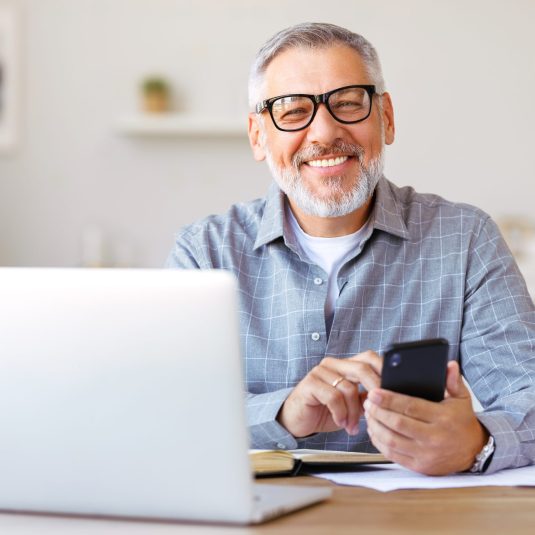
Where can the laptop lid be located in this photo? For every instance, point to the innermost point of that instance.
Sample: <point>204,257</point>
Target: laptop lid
<point>121,394</point>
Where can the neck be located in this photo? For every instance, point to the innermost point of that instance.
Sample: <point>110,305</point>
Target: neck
<point>332,227</point>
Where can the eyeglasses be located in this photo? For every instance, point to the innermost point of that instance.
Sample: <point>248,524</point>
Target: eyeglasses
<point>348,105</point>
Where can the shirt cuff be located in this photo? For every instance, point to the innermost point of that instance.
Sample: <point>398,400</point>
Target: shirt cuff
<point>265,431</point>
<point>506,442</point>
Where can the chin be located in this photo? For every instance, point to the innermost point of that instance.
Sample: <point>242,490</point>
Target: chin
<point>331,189</point>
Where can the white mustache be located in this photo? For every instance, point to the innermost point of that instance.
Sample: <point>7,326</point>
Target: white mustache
<point>315,152</point>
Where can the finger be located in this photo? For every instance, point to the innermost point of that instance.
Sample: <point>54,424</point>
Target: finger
<point>354,371</point>
<point>388,442</point>
<point>455,388</point>
<point>350,393</point>
<point>416,408</point>
<point>416,461</point>
<point>399,423</point>
<point>371,358</point>
<point>353,404</point>
<point>321,389</point>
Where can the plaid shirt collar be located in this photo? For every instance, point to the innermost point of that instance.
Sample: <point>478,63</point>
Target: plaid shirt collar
<point>387,213</point>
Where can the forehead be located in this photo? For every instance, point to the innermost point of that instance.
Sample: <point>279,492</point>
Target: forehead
<point>305,70</point>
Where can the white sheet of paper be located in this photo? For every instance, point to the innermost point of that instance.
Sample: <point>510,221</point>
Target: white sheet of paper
<point>387,477</point>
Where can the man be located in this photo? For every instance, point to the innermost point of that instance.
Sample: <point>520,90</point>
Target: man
<point>337,263</point>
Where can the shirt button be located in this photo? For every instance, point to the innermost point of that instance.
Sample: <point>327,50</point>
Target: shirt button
<point>318,281</point>
<point>315,336</point>
<point>281,446</point>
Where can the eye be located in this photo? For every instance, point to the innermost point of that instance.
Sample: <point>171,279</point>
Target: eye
<point>347,105</point>
<point>294,112</point>
<point>292,109</point>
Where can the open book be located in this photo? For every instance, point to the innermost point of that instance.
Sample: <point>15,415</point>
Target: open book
<point>292,462</point>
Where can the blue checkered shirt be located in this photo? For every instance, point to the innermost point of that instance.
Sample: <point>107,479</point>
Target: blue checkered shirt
<point>426,268</point>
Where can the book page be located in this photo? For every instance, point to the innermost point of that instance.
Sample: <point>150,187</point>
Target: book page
<point>266,461</point>
<point>330,456</point>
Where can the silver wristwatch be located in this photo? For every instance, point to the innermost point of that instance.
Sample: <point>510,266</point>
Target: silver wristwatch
<point>483,456</point>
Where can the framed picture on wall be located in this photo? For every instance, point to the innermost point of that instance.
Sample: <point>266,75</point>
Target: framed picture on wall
<point>9,77</point>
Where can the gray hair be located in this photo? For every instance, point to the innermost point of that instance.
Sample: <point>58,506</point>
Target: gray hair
<point>313,35</point>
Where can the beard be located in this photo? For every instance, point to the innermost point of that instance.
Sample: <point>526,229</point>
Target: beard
<point>339,201</point>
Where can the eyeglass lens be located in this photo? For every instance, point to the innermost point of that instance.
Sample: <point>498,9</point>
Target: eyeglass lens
<point>294,112</point>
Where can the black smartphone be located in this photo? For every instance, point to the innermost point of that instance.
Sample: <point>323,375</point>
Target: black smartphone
<point>416,368</point>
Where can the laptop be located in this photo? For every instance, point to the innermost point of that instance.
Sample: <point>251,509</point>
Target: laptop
<point>121,394</point>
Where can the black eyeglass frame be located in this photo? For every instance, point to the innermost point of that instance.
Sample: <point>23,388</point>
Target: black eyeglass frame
<point>317,100</point>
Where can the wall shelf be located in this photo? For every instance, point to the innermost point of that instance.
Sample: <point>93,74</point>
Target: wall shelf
<point>180,125</point>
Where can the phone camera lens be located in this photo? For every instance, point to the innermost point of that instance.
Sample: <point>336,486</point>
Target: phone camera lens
<point>395,360</point>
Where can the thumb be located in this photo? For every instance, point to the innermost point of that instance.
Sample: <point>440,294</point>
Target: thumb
<point>455,388</point>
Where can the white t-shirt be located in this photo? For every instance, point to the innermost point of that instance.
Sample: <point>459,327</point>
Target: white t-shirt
<point>328,253</point>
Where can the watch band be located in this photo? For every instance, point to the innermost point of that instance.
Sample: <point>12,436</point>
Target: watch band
<point>483,457</point>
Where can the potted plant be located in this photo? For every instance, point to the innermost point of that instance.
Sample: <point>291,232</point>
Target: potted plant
<point>156,94</point>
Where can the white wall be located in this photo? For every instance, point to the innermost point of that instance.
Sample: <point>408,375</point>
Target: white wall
<point>460,72</point>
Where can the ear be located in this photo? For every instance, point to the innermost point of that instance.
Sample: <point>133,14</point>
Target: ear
<point>388,119</point>
<point>255,136</point>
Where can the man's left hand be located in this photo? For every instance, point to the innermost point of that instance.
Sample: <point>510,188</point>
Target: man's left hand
<point>425,436</point>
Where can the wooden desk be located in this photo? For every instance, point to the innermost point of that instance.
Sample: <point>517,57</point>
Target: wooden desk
<point>474,511</point>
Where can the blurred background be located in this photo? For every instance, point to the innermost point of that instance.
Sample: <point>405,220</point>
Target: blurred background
<point>91,178</point>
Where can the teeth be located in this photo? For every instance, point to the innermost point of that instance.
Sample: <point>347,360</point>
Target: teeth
<point>328,163</point>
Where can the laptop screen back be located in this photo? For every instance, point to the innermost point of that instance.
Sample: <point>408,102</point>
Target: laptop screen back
<point>121,394</point>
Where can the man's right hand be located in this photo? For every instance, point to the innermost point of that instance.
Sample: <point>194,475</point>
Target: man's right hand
<point>322,402</point>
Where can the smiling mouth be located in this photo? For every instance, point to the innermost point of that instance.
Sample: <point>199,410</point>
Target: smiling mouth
<point>331,162</point>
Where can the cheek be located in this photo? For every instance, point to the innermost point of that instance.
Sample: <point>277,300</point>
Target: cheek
<point>372,145</point>
<point>372,151</point>
<point>283,147</point>
<point>369,135</point>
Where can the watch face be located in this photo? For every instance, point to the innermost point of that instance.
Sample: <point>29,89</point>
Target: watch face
<point>484,456</point>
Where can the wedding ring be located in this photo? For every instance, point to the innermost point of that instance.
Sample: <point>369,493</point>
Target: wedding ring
<point>336,382</point>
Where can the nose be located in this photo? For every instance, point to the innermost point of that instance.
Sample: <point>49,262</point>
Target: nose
<point>324,129</point>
